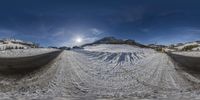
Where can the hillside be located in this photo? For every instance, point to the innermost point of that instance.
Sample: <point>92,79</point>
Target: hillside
<point>8,44</point>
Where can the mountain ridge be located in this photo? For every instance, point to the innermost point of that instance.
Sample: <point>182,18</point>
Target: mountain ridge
<point>113,40</point>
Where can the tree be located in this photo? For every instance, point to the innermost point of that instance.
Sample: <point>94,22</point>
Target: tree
<point>189,47</point>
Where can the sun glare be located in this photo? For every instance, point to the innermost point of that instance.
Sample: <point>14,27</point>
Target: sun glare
<point>79,40</point>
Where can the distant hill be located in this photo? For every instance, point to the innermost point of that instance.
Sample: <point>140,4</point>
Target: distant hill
<point>7,44</point>
<point>113,40</point>
<point>193,45</point>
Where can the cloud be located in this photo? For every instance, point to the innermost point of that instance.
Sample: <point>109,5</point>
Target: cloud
<point>96,31</point>
<point>59,33</point>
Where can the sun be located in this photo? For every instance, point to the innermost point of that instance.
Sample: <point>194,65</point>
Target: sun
<point>79,40</point>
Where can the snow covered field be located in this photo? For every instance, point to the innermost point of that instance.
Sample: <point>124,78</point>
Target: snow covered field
<point>115,48</point>
<point>111,71</point>
<point>25,52</point>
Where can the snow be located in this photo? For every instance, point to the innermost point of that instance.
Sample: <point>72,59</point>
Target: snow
<point>187,44</point>
<point>168,50</point>
<point>25,52</point>
<point>196,48</point>
<point>14,44</point>
<point>4,46</point>
<point>114,48</point>
<point>109,72</point>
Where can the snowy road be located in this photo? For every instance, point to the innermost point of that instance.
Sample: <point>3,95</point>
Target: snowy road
<point>187,63</point>
<point>91,74</point>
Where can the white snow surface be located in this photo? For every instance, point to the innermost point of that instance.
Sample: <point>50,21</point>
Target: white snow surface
<point>92,73</point>
<point>25,52</point>
<point>115,48</point>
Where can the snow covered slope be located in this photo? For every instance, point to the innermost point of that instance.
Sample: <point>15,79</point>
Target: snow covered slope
<point>115,48</point>
<point>113,40</point>
<point>180,47</point>
<point>16,44</point>
<point>11,45</point>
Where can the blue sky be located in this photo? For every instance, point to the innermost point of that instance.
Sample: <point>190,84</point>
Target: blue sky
<point>59,22</point>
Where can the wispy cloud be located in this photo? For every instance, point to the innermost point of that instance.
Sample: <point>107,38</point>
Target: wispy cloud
<point>96,31</point>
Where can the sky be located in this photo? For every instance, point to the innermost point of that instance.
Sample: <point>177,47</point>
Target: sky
<point>61,22</point>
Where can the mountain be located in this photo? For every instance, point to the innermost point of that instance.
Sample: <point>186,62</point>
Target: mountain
<point>113,40</point>
<point>108,40</point>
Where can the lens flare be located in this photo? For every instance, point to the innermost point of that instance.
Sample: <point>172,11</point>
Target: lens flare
<point>79,40</point>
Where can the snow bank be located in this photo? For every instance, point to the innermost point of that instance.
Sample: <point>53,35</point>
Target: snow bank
<point>25,52</point>
<point>114,48</point>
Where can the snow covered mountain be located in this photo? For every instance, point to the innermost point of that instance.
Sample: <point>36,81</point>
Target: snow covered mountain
<point>113,40</point>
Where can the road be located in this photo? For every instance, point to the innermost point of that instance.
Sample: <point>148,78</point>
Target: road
<point>26,64</point>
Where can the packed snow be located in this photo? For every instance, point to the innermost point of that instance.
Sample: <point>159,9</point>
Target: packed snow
<point>111,71</point>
